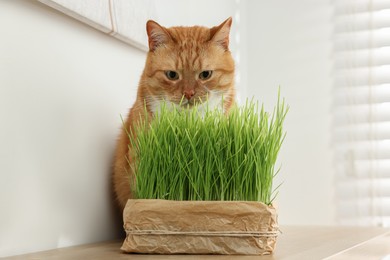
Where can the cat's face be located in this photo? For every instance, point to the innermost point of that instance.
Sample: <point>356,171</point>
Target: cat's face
<point>188,65</point>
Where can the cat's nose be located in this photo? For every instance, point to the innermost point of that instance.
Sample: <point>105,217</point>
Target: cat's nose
<point>189,93</point>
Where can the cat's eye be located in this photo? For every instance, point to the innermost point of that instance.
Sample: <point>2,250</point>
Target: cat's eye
<point>206,74</point>
<point>172,75</point>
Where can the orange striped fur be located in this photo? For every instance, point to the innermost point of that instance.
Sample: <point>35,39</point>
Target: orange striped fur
<point>187,51</point>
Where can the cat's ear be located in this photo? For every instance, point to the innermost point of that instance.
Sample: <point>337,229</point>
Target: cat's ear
<point>220,34</point>
<point>157,35</point>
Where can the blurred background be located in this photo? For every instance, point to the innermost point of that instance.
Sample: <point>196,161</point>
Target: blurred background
<point>64,86</point>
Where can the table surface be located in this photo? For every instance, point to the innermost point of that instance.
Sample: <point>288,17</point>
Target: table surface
<point>294,243</point>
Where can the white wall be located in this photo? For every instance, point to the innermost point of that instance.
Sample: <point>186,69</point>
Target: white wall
<point>63,86</point>
<point>289,45</point>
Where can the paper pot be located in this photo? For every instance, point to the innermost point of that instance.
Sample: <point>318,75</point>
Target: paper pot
<point>199,227</point>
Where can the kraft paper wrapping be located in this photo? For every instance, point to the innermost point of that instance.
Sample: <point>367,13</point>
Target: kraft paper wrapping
<point>199,227</point>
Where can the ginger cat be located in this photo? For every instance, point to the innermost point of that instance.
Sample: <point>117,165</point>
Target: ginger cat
<point>184,65</point>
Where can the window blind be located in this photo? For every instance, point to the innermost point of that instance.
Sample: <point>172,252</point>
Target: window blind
<point>361,111</point>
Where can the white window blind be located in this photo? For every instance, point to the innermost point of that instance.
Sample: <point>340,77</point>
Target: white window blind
<point>361,111</point>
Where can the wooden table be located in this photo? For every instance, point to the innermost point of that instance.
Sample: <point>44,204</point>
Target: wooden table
<point>294,243</point>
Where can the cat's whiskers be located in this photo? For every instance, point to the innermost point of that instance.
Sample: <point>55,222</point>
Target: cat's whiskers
<point>214,92</point>
<point>155,103</point>
<point>212,99</point>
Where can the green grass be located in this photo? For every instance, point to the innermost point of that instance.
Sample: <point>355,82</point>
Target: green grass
<point>182,155</point>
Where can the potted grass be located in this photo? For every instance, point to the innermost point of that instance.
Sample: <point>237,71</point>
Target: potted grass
<point>204,181</point>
